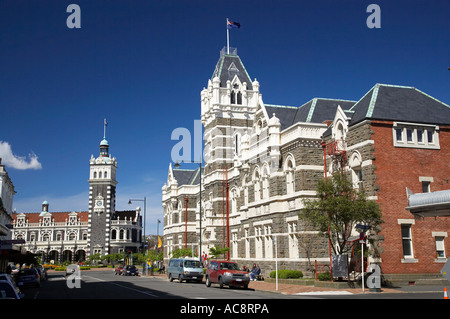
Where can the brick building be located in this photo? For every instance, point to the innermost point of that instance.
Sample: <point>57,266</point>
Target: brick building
<point>262,160</point>
<point>398,142</point>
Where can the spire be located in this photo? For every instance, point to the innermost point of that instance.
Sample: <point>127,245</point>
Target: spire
<point>104,145</point>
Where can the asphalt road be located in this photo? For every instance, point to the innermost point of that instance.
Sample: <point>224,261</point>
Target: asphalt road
<point>105,285</point>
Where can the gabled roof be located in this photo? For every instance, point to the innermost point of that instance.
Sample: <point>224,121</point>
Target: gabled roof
<point>187,176</point>
<point>399,103</point>
<point>227,67</point>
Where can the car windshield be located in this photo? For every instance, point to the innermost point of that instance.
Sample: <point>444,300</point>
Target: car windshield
<point>192,264</point>
<point>6,291</point>
<point>229,266</point>
<point>27,272</point>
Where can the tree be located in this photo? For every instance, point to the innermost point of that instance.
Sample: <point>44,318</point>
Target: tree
<point>182,252</point>
<point>337,209</point>
<point>216,251</point>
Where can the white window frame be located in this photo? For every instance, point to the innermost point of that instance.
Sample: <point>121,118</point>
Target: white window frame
<point>414,142</point>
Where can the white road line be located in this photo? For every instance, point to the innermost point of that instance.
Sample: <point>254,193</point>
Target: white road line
<point>317,293</point>
<point>113,283</point>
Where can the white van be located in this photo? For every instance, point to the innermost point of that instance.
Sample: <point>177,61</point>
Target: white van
<point>188,269</point>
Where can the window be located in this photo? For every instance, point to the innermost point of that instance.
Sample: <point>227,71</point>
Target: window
<point>419,136</point>
<point>290,178</point>
<point>430,137</point>
<point>425,187</point>
<point>416,135</point>
<point>407,241</point>
<point>440,247</point>
<point>398,134</point>
<point>409,135</point>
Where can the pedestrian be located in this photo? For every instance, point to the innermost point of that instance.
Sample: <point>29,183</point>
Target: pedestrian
<point>255,272</point>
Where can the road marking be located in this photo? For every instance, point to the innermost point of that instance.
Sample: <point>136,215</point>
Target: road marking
<point>113,283</point>
<point>316,293</point>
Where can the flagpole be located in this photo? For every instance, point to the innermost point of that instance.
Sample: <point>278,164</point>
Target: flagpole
<point>228,39</point>
<point>104,129</point>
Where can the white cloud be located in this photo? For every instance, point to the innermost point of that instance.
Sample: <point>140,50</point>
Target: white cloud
<point>18,162</point>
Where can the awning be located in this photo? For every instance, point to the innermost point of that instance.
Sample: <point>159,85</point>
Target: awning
<point>430,204</point>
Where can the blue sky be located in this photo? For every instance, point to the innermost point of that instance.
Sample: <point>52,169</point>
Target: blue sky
<point>141,65</point>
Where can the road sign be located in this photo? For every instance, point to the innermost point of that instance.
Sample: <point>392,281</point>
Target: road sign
<point>445,271</point>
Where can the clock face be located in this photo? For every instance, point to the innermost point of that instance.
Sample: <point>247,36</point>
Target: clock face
<point>99,203</point>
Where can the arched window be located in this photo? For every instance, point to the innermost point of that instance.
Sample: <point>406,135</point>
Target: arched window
<point>257,183</point>
<point>265,182</point>
<point>290,177</point>
<point>95,174</point>
<point>121,233</point>
<point>105,174</point>
<point>113,234</point>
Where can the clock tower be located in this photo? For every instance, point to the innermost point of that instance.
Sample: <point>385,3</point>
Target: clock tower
<point>102,199</point>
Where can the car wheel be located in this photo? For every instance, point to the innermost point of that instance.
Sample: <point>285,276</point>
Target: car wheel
<point>180,279</point>
<point>220,283</point>
<point>170,278</point>
<point>208,283</point>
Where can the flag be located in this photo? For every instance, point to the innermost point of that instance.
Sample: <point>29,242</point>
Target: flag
<point>231,25</point>
<point>106,123</point>
<point>159,242</point>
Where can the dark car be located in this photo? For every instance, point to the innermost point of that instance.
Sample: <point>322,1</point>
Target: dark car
<point>28,277</point>
<point>7,290</point>
<point>130,270</point>
<point>9,278</point>
<point>227,273</point>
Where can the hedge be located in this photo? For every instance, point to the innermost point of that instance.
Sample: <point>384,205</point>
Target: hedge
<point>287,274</point>
<point>325,276</point>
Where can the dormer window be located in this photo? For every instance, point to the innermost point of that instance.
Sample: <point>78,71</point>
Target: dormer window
<point>236,95</point>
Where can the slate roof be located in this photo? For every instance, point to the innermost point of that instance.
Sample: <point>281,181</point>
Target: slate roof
<point>317,110</point>
<point>227,67</point>
<point>187,176</point>
<point>399,103</point>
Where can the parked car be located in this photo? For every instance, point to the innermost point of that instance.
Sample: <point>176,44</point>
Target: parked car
<point>130,270</point>
<point>7,291</point>
<point>185,269</point>
<point>118,270</point>
<point>28,277</point>
<point>227,273</point>
<point>8,278</point>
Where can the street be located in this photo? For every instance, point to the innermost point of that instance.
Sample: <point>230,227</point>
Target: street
<point>103,284</point>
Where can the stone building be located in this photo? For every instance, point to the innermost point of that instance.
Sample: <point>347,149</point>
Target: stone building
<point>73,236</point>
<point>8,248</point>
<point>262,160</point>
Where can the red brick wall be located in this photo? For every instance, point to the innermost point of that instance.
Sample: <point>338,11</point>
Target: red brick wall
<point>396,169</point>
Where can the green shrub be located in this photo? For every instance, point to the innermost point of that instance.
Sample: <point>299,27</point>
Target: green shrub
<point>287,274</point>
<point>60,268</point>
<point>325,276</point>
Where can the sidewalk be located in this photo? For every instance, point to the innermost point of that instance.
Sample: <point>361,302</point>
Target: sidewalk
<point>290,289</point>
